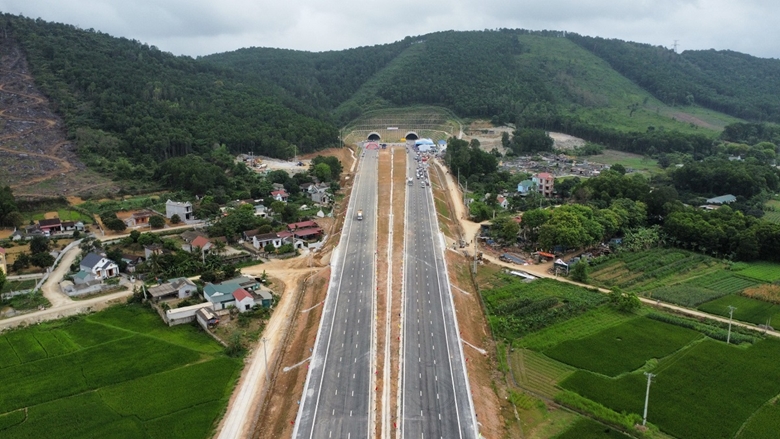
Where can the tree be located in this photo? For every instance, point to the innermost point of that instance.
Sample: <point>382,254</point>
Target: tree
<point>2,279</point>
<point>175,218</point>
<point>269,248</point>
<point>322,172</point>
<point>528,140</point>
<point>509,230</point>
<point>116,225</point>
<point>42,260</point>
<point>39,244</point>
<point>580,271</point>
<point>625,302</point>
<point>157,221</point>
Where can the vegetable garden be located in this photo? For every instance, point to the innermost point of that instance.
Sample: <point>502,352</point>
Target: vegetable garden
<point>118,373</point>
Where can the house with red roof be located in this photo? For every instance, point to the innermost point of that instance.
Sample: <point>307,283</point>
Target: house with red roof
<point>202,243</point>
<point>49,226</point>
<point>244,300</point>
<point>280,195</point>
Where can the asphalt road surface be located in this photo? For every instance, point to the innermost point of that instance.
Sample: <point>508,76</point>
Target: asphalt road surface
<point>436,402</point>
<point>338,395</point>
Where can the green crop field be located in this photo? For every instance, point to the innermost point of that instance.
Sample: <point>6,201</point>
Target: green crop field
<point>623,348</point>
<point>120,373</point>
<point>641,272</point>
<point>589,429</point>
<point>747,309</point>
<point>634,161</point>
<point>762,271</point>
<point>765,424</point>
<point>18,285</point>
<point>705,392</point>
<point>590,323</point>
<point>704,288</point>
<point>518,308</point>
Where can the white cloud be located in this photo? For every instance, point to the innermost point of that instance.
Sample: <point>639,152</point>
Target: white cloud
<point>200,27</point>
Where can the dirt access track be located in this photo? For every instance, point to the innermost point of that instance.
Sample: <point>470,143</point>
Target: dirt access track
<point>38,160</point>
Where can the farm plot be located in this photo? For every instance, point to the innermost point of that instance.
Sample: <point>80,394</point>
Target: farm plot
<point>703,289</point>
<point>623,348</point>
<point>764,424</point>
<point>643,271</point>
<point>518,308</point>
<point>747,309</point>
<point>136,377</point>
<point>762,271</point>
<point>708,391</point>
<point>590,323</point>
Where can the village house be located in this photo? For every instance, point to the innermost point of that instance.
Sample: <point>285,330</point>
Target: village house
<point>545,183</point>
<point>237,293</point>
<point>202,243</point>
<point>502,201</point>
<point>260,241</point>
<point>261,211</point>
<point>318,193</point>
<point>99,266</point>
<point>525,187</point>
<point>280,195</point>
<point>184,210</point>
<point>70,226</point>
<point>152,249</point>
<point>50,226</point>
<point>140,218</point>
<point>179,288</point>
<point>307,230</point>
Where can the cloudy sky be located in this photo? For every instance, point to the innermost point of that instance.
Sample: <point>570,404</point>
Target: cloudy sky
<point>201,27</point>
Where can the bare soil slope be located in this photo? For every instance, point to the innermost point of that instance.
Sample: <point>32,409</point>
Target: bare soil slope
<point>38,160</point>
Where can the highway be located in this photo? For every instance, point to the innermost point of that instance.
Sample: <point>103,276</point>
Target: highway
<point>435,397</point>
<point>338,399</point>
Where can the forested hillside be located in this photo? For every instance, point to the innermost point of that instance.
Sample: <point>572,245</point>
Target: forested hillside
<point>734,83</point>
<point>129,106</point>
<point>122,98</point>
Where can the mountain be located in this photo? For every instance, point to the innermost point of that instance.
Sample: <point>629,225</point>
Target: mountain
<point>128,106</point>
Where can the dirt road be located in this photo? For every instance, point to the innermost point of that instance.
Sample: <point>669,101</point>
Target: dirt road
<point>241,412</point>
<point>51,288</point>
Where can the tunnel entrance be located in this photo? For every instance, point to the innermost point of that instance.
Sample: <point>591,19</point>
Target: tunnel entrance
<point>374,137</point>
<point>411,135</point>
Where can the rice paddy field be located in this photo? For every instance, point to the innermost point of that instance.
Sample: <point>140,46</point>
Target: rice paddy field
<point>594,361</point>
<point>120,373</point>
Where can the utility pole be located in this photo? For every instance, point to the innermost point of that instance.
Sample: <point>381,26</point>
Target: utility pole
<point>265,355</point>
<point>650,377</point>
<point>731,315</point>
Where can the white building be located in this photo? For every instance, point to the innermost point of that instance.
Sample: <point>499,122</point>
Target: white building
<point>184,210</point>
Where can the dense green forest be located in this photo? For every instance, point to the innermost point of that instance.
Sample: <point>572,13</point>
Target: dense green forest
<point>122,98</point>
<point>129,106</point>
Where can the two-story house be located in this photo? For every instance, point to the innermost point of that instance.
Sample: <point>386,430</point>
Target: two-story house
<point>184,210</point>
<point>545,183</point>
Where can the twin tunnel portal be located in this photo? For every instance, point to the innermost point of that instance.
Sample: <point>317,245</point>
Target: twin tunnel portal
<point>376,137</point>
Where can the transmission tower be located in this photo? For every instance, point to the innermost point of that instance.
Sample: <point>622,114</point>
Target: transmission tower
<point>675,45</point>
<point>650,377</point>
<point>731,315</point>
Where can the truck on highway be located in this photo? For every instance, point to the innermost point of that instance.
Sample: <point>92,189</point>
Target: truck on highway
<point>360,215</point>
<point>409,181</point>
